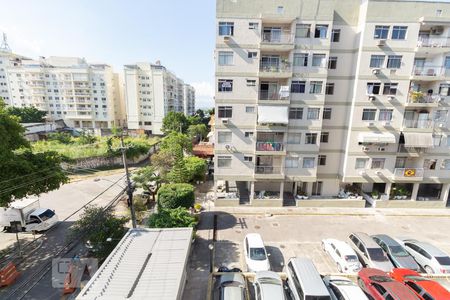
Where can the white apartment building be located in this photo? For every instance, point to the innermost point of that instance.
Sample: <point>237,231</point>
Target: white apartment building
<point>322,97</point>
<point>151,91</point>
<point>83,95</point>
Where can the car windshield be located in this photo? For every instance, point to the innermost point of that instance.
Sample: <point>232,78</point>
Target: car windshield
<point>351,258</point>
<point>342,282</point>
<point>380,278</point>
<point>257,253</point>
<point>443,260</point>
<point>46,215</point>
<point>415,278</point>
<point>377,254</point>
<point>272,281</point>
<point>398,251</point>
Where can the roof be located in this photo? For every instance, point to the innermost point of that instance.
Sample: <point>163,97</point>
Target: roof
<point>148,263</point>
<point>203,150</point>
<point>307,273</point>
<point>255,240</point>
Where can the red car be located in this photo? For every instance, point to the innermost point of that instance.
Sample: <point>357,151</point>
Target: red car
<point>425,288</point>
<point>381,286</point>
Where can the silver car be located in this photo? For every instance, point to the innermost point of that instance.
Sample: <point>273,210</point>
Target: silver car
<point>231,287</point>
<point>396,253</point>
<point>268,286</point>
<point>430,258</point>
<point>370,254</point>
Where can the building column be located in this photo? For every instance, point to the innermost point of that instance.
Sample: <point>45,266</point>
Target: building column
<point>387,189</point>
<point>215,190</point>
<point>295,188</point>
<point>415,190</point>
<point>444,192</point>
<point>252,191</point>
<point>281,189</point>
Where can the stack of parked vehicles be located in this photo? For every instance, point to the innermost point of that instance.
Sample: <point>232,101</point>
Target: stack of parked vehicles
<point>386,268</point>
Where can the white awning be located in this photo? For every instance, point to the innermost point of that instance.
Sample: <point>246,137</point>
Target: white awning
<point>273,114</point>
<point>376,138</point>
<point>418,139</point>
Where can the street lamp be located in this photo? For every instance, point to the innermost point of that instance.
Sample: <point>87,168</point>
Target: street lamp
<point>211,255</point>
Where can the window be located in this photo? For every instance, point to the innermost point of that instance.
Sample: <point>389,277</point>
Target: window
<point>224,161</point>
<point>445,164</point>
<point>225,85</point>
<point>252,54</point>
<point>249,109</point>
<point>313,113</point>
<point>248,134</point>
<point>373,88</point>
<point>377,61</point>
<point>335,35</point>
<point>300,59</point>
<point>332,62</point>
<point>329,89</point>
<point>317,188</point>
<point>390,88</point>
<point>429,164</point>
<point>381,32</point>
<point>226,28</point>
<point>252,25</point>
<point>298,86</point>
<point>327,113</point>
<point>251,82</point>
<point>378,163</point>
<point>318,60</point>
<point>303,30</point>
<point>291,162</point>
<point>321,31</point>
<point>308,162</point>
<point>311,138</point>
<point>147,123</point>
<point>394,61</point>
<point>324,137</point>
<point>248,158</point>
<point>225,58</point>
<point>385,115</point>
<point>322,160</point>
<point>437,138</point>
<point>399,32</point>
<point>225,111</point>
<point>296,113</point>
<point>440,116</point>
<point>369,114</point>
<point>294,138</point>
<point>444,89</point>
<point>315,87</point>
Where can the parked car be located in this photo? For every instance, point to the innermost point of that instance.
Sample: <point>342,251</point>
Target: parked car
<point>343,255</point>
<point>304,280</point>
<point>380,286</point>
<point>370,254</point>
<point>268,286</point>
<point>425,288</point>
<point>343,288</point>
<point>399,257</point>
<point>430,258</point>
<point>231,287</point>
<point>255,253</point>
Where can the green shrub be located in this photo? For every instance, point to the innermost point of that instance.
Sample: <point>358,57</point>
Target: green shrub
<point>171,218</point>
<point>62,137</point>
<point>196,167</point>
<point>176,195</point>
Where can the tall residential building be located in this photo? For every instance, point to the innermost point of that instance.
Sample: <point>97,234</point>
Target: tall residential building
<point>321,98</point>
<point>83,95</point>
<point>151,91</point>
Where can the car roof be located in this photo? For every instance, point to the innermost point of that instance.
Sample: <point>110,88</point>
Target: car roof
<point>432,250</point>
<point>232,293</point>
<point>386,239</point>
<point>310,278</point>
<point>343,247</point>
<point>254,239</point>
<point>366,239</point>
<point>351,291</point>
<point>394,287</point>
<point>270,290</point>
<point>231,276</point>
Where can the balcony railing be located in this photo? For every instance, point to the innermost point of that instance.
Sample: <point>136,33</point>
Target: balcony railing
<point>410,150</point>
<point>267,170</point>
<point>268,95</point>
<point>408,172</point>
<point>269,146</point>
<point>274,67</point>
<point>276,38</point>
<point>433,42</point>
<point>431,71</point>
<point>407,123</point>
<point>421,97</point>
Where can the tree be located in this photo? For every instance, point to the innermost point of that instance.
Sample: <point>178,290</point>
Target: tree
<point>27,114</point>
<point>148,179</point>
<point>163,161</point>
<point>62,137</point>
<point>196,168</point>
<point>174,121</point>
<point>174,140</point>
<point>101,228</point>
<point>24,173</point>
<point>86,138</point>
<point>171,218</point>
<point>175,195</point>
<point>199,131</point>
<point>179,172</point>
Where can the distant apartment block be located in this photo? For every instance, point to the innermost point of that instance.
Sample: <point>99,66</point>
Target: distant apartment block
<point>319,98</point>
<point>151,91</point>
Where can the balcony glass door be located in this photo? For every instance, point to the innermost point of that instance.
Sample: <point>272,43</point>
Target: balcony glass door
<point>270,63</point>
<point>269,91</point>
<point>423,120</point>
<point>272,34</point>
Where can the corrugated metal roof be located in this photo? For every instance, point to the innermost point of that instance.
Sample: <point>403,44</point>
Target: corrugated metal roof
<point>146,264</point>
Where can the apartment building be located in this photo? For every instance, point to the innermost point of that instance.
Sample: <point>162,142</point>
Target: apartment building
<point>151,91</point>
<point>84,95</point>
<point>327,99</point>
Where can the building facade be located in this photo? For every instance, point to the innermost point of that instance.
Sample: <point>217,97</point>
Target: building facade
<point>327,99</point>
<point>84,95</point>
<point>151,91</point>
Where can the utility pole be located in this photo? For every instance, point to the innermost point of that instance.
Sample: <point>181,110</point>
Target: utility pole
<point>129,187</point>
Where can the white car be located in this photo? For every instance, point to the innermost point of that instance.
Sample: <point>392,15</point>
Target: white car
<point>255,253</point>
<point>268,285</point>
<point>343,255</point>
<point>343,288</point>
<point>430,258</point>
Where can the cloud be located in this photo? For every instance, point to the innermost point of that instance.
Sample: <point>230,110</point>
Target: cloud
<point>203,89</point>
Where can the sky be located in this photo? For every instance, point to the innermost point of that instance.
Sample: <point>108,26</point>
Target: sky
<point>179,33</point>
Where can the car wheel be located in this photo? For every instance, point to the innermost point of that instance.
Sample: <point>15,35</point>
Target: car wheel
<point>429,270</point>
<point>339,268</point>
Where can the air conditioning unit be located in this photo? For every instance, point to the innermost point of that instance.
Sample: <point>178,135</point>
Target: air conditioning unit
<point>226,38</point>
<point>225,121</point>
<point>381,43</point>
<point>381,149</point>
<point>372,98</point>
<point>391,98</point>
<point>376,71</point>
<point>441,125</point>
<point>438,30</point>
<point>365,149</point>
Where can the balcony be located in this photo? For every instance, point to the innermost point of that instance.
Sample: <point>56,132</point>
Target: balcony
<point>275,70</point>
<point>277,41</point>
<point>410,151</point>
<point>270,146</point>
<point>433,45</point>
<point>268,172</point>
<point>430,73</point>
<point>421,99</point>
<point>408,174</point>
<point>278,95</point>
<point>418,124</point>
